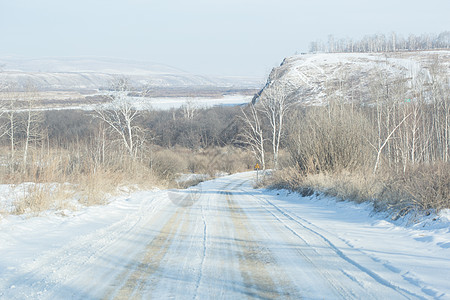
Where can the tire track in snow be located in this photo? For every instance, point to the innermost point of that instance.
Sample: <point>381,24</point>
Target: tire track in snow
<point>219,276</point>
<point>59,268</point>
<point>132,281</point>
<point>253,260</point>
<point>404,292</point>
<point>323,275</point>
<point>205,234</point>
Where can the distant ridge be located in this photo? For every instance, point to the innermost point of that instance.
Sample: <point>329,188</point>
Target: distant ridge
<point>73,73</point>
<point>86,64</point>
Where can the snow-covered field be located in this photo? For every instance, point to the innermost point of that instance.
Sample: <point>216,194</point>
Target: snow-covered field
<point>223,240</point>
<point>166,103</point>
<point>158,103</point>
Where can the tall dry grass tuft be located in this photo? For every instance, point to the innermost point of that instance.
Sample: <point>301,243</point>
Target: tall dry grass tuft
<point>38,197</point>
<point>421,188</point>
<point>94,187</point>
<point>35,199</point>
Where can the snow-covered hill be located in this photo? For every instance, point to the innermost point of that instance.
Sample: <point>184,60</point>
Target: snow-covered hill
<point>94,73</point>
<point>321,76</point>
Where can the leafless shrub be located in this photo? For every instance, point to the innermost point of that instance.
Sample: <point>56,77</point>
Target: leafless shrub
<point>167,164</point>
<point>328,140</point>
<point>287,178</point>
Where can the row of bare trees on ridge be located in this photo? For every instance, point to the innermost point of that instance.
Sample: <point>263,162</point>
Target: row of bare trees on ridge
<point>383,43</point>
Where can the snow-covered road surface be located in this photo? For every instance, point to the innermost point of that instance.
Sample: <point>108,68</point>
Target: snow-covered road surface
<point>225,240</point>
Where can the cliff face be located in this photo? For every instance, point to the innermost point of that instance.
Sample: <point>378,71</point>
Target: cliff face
<point>319,78</point>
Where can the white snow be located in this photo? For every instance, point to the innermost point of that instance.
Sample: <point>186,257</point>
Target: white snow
<point>192,177</point>
<point>222,240</point>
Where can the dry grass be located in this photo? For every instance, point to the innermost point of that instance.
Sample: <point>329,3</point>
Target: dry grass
<point>94,187</point>
<point>37,197</point>
<point>419,190</point>
<point>227,159</point>
<point>58,176</point>
<point>358,187</point>
<point>166,163</point>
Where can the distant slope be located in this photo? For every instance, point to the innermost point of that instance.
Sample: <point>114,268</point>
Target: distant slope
<point>318,77</point>
<point>94,73</point>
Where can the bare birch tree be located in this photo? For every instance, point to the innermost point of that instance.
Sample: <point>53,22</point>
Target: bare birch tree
<point>3,130</point>
<point>253,133</point>
<point>275,102</point>
<point>10,128</point>
<point>189,109</point>
<point>31,123</point>
<point>121,118</point>
<point>3,127</point>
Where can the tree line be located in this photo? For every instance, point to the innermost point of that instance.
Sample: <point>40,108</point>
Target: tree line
<point>382,43</point>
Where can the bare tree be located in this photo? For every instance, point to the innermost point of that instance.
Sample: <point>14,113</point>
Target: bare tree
<point>3,127</point>
<point>121,118</point>
<point>31,123</point>
<point>382,143</point>
<point>189,109</point>
<point>3,130</point>
<point>441,105</point>
<point>11,99</point>
<point>253,133</point>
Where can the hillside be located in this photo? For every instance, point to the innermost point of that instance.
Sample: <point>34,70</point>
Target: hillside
<point>350,76</point>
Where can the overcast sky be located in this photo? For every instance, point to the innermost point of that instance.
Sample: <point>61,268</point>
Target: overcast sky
<point>211,37</point>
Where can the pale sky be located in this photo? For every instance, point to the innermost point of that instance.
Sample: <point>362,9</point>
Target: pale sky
<point>210,37</point>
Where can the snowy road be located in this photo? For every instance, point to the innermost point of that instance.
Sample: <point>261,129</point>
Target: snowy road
<point>225,241</point>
